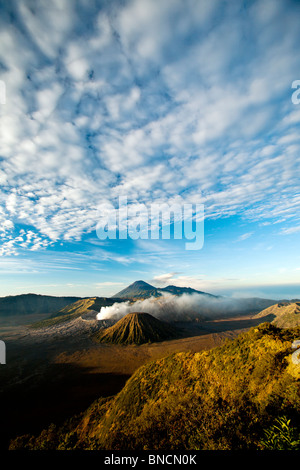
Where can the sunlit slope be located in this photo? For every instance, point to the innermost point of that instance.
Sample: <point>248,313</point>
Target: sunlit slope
<point>220,399</point>
<point>137,328</point>
<point>75,310</point>
<point>283,314</point>
<point>224,398</point>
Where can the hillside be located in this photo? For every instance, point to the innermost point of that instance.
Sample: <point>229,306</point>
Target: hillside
<point>242,395</point>
<point>283,314</point>
<point>75,310</point>
<point>27,304</point>
<point>137,328</point>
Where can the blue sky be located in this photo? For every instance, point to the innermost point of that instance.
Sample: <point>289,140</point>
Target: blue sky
<point>170,101</point>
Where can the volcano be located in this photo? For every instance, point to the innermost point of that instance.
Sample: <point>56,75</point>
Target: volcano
<point>137,328</point>
<point>137,290</point>
<point>143,290</point>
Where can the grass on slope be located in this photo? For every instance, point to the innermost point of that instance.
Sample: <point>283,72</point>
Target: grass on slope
<point>69,312</point>
<point>283,315</point>
<point>228,398</point>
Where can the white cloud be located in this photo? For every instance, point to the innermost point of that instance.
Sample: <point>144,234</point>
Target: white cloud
<point>290,230</point>
<point>164,278</point>
<point>48,24</point>
<point>151,99</point>
<point>244,236</point>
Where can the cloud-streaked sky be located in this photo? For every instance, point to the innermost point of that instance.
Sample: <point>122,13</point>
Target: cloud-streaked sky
<point>161,101</point>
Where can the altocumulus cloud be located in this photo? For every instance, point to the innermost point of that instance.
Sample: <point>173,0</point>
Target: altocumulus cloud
<point>155,100</point>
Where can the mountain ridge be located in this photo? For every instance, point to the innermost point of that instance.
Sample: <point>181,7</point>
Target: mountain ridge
<point>63,307</point>
<point>26,304</point>
<point>141,290</point>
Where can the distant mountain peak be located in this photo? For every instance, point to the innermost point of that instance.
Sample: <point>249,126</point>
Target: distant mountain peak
<point>141,289</point>
<point>137,290</point>
<point>140,283</point>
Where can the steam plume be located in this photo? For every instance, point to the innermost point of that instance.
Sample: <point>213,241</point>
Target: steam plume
<point>184,307</point>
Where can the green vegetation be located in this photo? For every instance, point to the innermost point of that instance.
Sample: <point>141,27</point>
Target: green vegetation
<point>281,436</point>
<point>137,328</point>
<point>242,395</point>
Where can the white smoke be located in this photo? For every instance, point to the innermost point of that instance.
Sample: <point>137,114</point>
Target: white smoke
<point>184,307</point>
